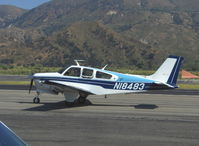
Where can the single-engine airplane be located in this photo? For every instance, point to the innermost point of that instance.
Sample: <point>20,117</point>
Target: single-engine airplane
<point>77,82</point>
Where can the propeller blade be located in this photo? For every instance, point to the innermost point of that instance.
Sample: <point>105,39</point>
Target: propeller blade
<point>31,83</point>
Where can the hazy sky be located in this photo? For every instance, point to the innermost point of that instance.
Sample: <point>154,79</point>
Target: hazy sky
<point>26,4</point>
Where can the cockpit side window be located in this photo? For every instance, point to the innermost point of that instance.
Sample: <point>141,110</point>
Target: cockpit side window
<point>102,75</point>
<point>73,71</point>
<point>87,73</point>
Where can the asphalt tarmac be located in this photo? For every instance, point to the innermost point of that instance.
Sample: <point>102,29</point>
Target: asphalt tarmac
<point>130,119</point>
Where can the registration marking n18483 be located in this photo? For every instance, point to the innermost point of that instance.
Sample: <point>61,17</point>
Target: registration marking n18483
<point>128,86</point>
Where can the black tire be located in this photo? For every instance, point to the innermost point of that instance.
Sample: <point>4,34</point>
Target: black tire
<point>81,100</point>
<point>69,103</point>
<point>36,100</point>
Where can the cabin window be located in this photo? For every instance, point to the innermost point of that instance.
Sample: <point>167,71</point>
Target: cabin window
<point>87,73</point>
<point>74,71</point>
<point>102,75</point>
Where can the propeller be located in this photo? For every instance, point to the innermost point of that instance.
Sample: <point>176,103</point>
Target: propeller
<point>31,83</point>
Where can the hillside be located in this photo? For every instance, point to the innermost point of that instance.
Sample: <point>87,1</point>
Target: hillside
<point>90,41</point>
<point>9,13</point>
<point>118,13</point>
<point>100,45</point>
<point>118,32</point>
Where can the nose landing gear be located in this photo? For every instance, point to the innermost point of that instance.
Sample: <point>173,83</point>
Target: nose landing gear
<point>36,99</point>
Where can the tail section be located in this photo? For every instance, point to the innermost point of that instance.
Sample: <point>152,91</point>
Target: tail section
<point>168,72</point>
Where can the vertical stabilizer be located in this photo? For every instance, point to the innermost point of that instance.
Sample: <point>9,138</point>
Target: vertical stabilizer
<point>168,71</point>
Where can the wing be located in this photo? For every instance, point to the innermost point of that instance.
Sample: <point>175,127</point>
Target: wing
<point>62,86</point>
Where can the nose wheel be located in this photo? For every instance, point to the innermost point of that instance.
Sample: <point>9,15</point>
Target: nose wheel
<point>36,99</point>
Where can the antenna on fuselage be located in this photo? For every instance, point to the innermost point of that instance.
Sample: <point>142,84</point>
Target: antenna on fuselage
<point>104,67</point>
<point>77,62</point>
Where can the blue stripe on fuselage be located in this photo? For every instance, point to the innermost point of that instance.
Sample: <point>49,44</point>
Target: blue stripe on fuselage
<point>104,84</point>
<point>115,85</point>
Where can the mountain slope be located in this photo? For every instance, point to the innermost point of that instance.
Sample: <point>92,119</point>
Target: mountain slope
<point>91,41</point>
<point>99,45</point>
<point>58,13</point>
<point>137,31</point>
<point>9,13</point>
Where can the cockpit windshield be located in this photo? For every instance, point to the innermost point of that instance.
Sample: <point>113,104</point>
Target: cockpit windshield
<point>63,69</point>
<point>73,71</point>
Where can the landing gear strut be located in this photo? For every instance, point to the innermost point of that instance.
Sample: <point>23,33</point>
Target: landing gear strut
<point>36,99</point>
<point>82,98</point>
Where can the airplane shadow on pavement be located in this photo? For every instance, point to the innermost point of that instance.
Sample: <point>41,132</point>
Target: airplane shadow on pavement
<point>63,105</point>
<point>138,106</point>
<point>55,106</point>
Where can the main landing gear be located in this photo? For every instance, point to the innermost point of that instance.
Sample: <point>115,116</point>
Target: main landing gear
<point>75,98</point>
<point>79,101</point>
<point>82,98</point>
<point>36,99</point>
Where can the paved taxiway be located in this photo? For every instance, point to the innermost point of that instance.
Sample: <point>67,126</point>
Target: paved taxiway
<point>131,119</point>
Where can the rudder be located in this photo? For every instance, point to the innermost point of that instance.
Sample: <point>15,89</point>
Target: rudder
<point>175,72</point>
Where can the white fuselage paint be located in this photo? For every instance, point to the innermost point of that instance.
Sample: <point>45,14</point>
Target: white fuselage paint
<point>94,89</point>
<point>119,87</point>
<point>77,80</point>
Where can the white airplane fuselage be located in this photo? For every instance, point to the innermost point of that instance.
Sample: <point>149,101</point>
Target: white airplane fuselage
<point>80,81</point>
